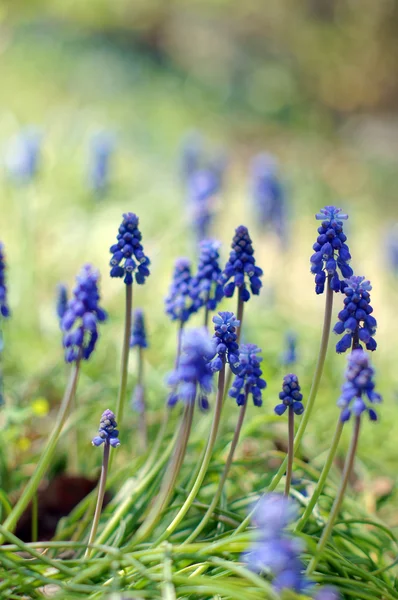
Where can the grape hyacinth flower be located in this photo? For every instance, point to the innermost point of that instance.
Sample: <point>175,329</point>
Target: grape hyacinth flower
<point>101,148</point>
<point>275,551</point>
<point>289,356</point>
<point>225,340</point>
<point>290,396</point>
<point>331,253</point>
<point>191,155</point>
<point>62,300</point>
<point>80,321</point>
<point>206,289</point>
<point>4,308</point>
<point>392,248</point>
<point>358,387</point>
<point>192,379</point>
<point>107,430</point>
<point>128,248</point>
<point>203,186</point>
<point>268,193</point>
<point>178,303</point>
<point>23,155</point>
<point>241,267</point>
<point>138,333</point>
<point>248,379</point>
<point>356,319</point>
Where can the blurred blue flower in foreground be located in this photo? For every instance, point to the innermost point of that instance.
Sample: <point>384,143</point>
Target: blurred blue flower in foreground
<point>4,309</point>
<point>328,593</point>
<point>289,356</point>
<point>225,340</point>
<point>178,303</point>
<point>100,153</point>
<point>358,385</point>
<point>331,251</point>
<point>138,333</point>
<point>392,248</point>
<point>268,193</point>
<point>275,551</point>
<point>80,321</point>
<point>206,289</point>
<point>248,379</point>
<point>23,155</point>
<point>107,430</point>
<point>241,267</point>
<point>128,246</point>
<point>356,319</point>
<point>192,379</point>
<point>62,300</point>
<point>290,395</point>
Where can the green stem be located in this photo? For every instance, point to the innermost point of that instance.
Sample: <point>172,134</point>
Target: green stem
<point>311,398</point>
<point>179,343</point>
<point>290,451</point>
<point>100,498</point>
<point>125,355</point>
<point>224,476</point>
<point>349,463</point>
<point>169,480</point>
<point>206,460</point>
<point>46,456</point>
<point>158,442</point>
<point>35,518</point>
<point>322,479</point>
<point>143,427</point>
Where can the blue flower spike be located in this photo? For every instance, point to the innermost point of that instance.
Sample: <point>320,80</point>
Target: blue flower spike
<point>128,256</point>
<point>290,396</point>
<point>358,391</point>
<point>241,270</point>
<point>248,380</point>
<point>108,433</point>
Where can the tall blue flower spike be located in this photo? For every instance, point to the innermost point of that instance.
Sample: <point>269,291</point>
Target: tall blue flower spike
<point>205,288</point>
<point>290,395</point>
<point>62,300</point>
<point>356,319</point>
<point>248,379</point>
<point>241,267</point>
<point>358,391</point>
<point>80,321</point>
<point>138,333</point>
<point>268,193</point>
<point>225,341</point>
<point>128,256</point>
<point>331,253</point>
<point>203,185</point>
<point>274,548</point>
<point>108,432</point>
<point>178,303</point>
<point>100,153</point>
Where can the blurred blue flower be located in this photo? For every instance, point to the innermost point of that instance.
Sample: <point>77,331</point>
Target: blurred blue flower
<point>290,395</point>
<point>206,289</point>
<point>225,340</point>
<point>331,253</point>
<point>248,379</point>
<point>328,593</point>
<point>100,152</point>
<point>358,387</point>
<point>4,309</point>
<point>178,303</point>
<point>191,155</point>
<point>355,319</point>
<point>289,356</point>
<point>268,193</point>
<point>392,248</point>
<point>202,188</point>
<point>275,551</point>
<point>62,300</point>
<point>128,246</point>
<point>108,432</point>
<point>241,267</point>
<point>138,333</point>
<point>192,379</point>
<point>23,155</point>
<point>80,321</point>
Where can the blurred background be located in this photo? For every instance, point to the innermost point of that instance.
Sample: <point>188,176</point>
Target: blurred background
<point>198,116</point>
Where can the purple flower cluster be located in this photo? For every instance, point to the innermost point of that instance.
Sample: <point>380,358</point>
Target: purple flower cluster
<point>108,433</point>
<point>331,251</point>
<point>192,379</point>
<point>241,267</point>
<point>248,380</point>
<point>206,289</point>
<point>101,148</point>
<point>268,194</point>
<point>290,395</point>
<point>126,249</point>
<point>23,155</point>
<point>80,321</point>
<point>178,303</point>
<point>275,551</point>
<point>203,185</point>
<point>225,340</point>
<point>4,309</point>
<point>138,333</point>
<point>356,319</point>
<point>62,300</point>
<point>358,387</point>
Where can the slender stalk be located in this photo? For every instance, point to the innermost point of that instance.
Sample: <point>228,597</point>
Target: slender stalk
<point>179,343</point>
<point>207,314</point>
<point>143,428</point>
<point>349,463</point>
<point>290,451</point>
<point>311,398</point>
<point>100,498</point>
<point>125,354</point>
<point>206,460</point>
<point>158,442</point>
<point>169,480</point>
<point>224,476</point>
<point>323,477</point>
<point>47,454</point>
<point>35,518</point>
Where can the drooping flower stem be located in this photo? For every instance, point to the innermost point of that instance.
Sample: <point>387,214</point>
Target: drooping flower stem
<point>206,459</point>
<point>290,451</point>
<point>171,475</point>
<point>100,497</point>
<point>323,476</point>
<point>47,453</point>
<point>125,354</point>
<point>224,476</point>
<point>349,463</point>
